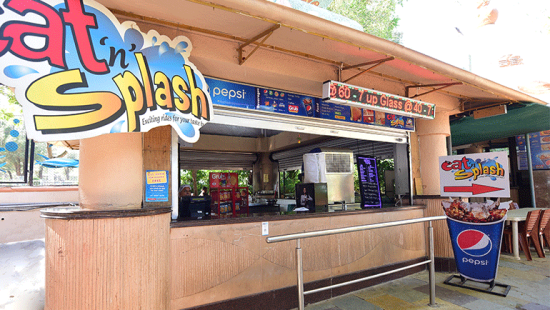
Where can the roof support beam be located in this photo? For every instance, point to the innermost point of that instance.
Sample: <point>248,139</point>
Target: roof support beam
<point>264,34</point>
<point>443,85</point>
<point>376,63</point>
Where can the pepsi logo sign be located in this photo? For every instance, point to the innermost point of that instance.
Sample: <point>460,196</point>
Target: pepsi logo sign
<point>474,242</point>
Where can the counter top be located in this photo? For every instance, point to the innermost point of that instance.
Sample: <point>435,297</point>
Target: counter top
<point>74,213</point>
<point>272,218</point>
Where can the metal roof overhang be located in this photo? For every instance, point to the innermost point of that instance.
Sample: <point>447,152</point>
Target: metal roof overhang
<point>313,38</point>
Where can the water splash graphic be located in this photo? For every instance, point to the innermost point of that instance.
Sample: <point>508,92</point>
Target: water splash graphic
<point>11,146</point>
<point>17,71</point>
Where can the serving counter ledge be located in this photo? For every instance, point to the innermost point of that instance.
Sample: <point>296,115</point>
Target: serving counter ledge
<point>271,218</point>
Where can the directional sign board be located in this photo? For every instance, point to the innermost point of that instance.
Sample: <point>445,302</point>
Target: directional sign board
<point>475,175</point>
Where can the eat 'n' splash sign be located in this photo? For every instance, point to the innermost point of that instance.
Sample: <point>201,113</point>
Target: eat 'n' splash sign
<point>79,73</point>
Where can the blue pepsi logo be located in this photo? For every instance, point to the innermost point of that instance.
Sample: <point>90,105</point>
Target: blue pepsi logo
<point>474,242</point>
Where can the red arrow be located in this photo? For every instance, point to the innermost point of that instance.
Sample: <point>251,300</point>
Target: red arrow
<point>475,189</point>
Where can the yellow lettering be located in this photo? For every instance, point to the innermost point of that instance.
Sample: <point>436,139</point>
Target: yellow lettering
<point>146,78</point>
<point>95,109</point>
<point>163,93</point>
<point>181,101</point>
<point>132,93</point>
<point>476,173</point>
<point>199,103</point>
<point>462,175</point>
<point>500,170</point>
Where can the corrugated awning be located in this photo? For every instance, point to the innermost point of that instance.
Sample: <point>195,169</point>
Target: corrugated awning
<point>193,160</point>
<point>518,121</point>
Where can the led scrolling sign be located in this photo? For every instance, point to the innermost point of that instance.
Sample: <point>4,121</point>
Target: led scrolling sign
<point>365,98</point>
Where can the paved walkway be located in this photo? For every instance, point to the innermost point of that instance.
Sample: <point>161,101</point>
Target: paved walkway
<point>530,282</point>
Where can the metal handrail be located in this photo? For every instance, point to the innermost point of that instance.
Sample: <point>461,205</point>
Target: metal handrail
<point>328,232</point>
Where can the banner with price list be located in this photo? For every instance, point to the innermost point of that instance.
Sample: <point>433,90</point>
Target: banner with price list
<point>355,96</point>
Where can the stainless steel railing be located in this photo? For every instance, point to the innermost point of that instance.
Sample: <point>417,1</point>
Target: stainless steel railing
<point>327,232</point>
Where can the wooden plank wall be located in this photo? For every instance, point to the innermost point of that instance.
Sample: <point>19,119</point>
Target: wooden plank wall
<point>156,156</point>
<point>221,262</point>
<point>109,263</point>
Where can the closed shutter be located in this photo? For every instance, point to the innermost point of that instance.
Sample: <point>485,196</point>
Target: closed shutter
<point>196,160</point>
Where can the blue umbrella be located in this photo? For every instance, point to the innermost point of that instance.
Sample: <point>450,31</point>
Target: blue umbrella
<point>58,162</point>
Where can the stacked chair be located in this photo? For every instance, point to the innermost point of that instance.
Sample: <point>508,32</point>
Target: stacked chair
<point>544,228</point>
<point>527,231</point>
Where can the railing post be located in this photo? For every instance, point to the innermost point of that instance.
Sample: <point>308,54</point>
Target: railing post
<point>300,275</point>
<point>432,264</point>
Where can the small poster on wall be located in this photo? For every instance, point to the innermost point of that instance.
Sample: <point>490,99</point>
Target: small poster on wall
<point>156,185</point>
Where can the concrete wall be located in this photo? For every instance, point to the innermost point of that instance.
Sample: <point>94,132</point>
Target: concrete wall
<point>18,226</point>
<point>28,194</point>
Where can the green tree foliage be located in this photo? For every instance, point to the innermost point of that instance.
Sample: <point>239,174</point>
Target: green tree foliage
<point>381,165</point>
<point>287,183</point>
<point>376,16</point>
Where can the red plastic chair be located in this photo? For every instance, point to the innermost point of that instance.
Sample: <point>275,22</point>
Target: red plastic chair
<point>544,228</point>
<point>527,231</point>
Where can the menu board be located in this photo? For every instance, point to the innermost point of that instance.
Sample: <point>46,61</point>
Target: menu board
<point>282,102</point>
<point>339,112</point>
<point>368,182</point>
<point>540,150</point>
<point>339,92</point>
<point>277,101</point>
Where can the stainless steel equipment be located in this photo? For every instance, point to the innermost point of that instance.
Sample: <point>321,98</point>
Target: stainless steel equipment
<point>265,196</point>
<point>335,168</point>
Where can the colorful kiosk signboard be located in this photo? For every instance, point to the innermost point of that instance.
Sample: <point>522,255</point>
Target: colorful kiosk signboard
<point>79,73</point>
<point>475,175</point>
<point>347,94</point>
<point>476,240</point>
<point>277,101</point>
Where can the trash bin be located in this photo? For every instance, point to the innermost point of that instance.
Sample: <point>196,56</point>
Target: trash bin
<point>477,248</point>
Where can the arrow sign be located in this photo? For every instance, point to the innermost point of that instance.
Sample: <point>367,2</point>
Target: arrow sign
<point>475,189</point>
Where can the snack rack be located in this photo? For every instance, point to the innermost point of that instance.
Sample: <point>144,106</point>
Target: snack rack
<point>228,199</point>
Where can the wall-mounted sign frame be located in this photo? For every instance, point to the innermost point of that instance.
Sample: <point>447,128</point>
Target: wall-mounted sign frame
<point>156,185</point>
<point>475,175</point>
<point>78,73</point>
<point>252,97</point>
<point>347,94</point>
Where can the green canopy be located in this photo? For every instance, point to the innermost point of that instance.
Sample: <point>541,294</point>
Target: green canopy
<point>519,120</point>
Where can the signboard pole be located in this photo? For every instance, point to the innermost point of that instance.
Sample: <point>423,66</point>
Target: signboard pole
<point>530,167</point>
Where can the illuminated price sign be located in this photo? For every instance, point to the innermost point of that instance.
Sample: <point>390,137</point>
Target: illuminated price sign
<point>351,95</point>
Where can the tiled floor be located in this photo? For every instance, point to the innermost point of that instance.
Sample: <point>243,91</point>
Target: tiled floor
<point>529,281</point>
